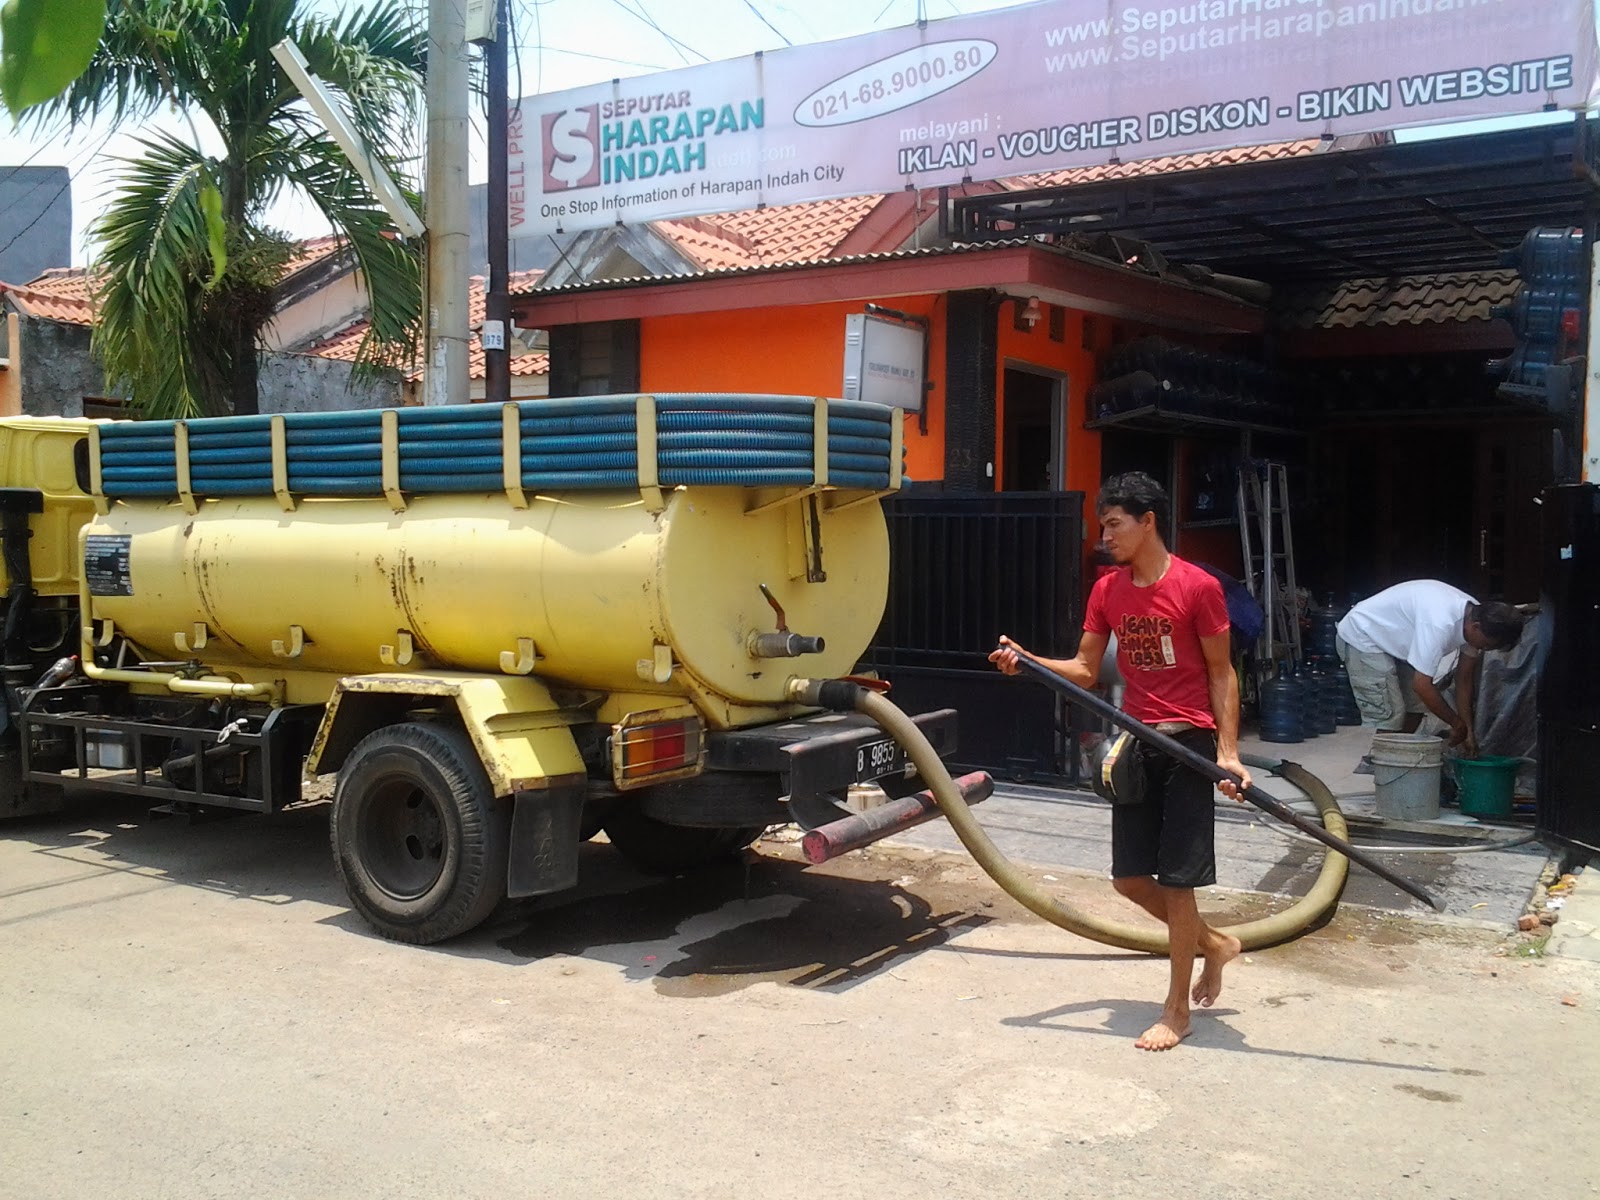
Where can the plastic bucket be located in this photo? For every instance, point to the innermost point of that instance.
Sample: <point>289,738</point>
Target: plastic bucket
<point>1488,785</point>
<point>1406,768</point>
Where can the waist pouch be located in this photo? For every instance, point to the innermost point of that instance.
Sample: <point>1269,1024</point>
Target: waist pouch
<point>1120,775</point>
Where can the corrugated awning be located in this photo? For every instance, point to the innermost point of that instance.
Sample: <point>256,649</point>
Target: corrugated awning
<point>1451,204</point>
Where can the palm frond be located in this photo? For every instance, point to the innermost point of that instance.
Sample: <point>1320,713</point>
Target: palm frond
<point>176,312</point>
<point>391,267</point>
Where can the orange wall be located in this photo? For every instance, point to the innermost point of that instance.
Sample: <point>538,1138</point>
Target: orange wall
<point>796,350</point>
<point>1082,454</point>
<point>799,350</point>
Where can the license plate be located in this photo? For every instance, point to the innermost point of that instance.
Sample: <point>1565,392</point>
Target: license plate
<point>877,759</point>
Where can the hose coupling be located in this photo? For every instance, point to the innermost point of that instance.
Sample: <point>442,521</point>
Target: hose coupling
<point>836,695</point>
<point>784,645</point>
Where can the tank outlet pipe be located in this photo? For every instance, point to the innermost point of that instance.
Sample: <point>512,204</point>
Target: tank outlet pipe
<point>863,828</point>
<point>784,645</point>
<point>1197,762</point>
<point>842,695</point>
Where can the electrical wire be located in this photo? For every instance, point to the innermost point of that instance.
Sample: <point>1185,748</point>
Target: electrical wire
<point>71,177</point>
<point>643,14</point>
<point>626,62</point>
<point>750,4</point>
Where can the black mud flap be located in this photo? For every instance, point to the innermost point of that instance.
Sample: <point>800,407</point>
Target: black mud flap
<point>545,839</point>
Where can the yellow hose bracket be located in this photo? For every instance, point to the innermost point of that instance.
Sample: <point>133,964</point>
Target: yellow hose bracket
<point>102,631</point>
<point>399,654</point>
<point>280,464</point>
<point>97,483</point>
<point>180,450</point>
<point>649,472</point>
<point>520,661</point>
<point>819,442</point>
<point>868,498</point>
<point>391,460</point>
<point>897,448</point>
<point>658,667</point>
<point>291,647</point>
<point>192,642</point>
<point>511,455</point>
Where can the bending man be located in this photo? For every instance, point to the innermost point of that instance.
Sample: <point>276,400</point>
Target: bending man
<point>1395,645</point>
<point>1171,624</point>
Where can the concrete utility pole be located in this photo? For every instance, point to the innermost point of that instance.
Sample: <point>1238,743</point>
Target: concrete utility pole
<point>497,304</point>
<point>445,372</point>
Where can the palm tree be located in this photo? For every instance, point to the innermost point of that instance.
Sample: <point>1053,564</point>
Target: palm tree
<point>187,263</point>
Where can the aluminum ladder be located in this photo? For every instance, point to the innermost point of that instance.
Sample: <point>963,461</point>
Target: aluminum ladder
<point>1267,537</point>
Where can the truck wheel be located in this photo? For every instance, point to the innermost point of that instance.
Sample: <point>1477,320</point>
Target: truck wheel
<point>663,849</point>
<point>419,840</point>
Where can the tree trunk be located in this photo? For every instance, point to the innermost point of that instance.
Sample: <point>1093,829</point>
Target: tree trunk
<point>246,372</point>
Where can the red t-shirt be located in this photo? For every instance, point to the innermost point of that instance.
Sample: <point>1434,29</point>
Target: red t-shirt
<point>1158,631</point>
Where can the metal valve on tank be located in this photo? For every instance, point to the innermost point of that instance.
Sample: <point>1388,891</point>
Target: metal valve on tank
<point>783,643</point>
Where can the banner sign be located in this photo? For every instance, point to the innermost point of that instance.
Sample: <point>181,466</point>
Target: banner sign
<point>1063,83</point>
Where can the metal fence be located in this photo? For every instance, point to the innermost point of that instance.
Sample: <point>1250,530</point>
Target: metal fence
<point>965,569</point>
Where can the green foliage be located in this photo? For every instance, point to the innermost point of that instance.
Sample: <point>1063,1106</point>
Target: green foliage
<point>42,52</point>
<point>187,263</point>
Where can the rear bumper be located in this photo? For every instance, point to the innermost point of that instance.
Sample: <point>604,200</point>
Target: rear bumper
<point>824,754</point>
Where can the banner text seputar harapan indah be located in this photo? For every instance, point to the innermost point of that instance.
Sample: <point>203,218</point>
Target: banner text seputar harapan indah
<point>1035,88</point>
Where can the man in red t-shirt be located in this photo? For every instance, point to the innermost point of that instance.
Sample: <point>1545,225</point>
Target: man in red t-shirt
<point>1171,624</point>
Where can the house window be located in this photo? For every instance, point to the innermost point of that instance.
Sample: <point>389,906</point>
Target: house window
<point>1058,323</point>
<point>597,359</point>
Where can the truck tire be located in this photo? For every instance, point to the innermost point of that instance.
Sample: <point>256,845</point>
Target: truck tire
<point>718,800</point>
<point>662,849</point>
<point>419,839</point>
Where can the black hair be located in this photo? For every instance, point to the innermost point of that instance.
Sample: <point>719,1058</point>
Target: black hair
<point>1135,493</point>
<point>1500,623</point>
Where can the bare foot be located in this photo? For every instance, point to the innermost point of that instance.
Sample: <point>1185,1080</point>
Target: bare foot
<point>1209,986</point>
<point>1165,1033</point>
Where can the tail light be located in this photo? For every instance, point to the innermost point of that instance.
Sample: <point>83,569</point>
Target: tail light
<point>648,751</point>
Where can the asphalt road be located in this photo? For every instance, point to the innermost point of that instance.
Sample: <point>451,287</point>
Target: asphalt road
<point>193,1012</point>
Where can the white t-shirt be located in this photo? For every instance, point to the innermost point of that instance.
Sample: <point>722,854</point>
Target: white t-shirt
<point>1417,622</point>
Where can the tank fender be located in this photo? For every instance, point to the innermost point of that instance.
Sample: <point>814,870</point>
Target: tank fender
<point>523,738</point>
<point>522,735</point>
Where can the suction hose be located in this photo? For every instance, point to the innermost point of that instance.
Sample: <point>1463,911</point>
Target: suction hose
<point>842,696</point>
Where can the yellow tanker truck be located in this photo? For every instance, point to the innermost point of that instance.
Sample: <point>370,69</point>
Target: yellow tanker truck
<point>502,628</point>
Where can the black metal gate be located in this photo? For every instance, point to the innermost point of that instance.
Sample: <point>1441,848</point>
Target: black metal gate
<point>965,569</point>
<point>1569,681</point>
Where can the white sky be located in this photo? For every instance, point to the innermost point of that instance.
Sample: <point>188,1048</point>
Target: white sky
<point>559,44</point>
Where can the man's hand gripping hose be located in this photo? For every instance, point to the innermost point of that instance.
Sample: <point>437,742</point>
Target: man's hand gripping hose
<point>845,696</point>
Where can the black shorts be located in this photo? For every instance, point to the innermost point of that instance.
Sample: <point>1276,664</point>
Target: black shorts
<point>1171,834</point>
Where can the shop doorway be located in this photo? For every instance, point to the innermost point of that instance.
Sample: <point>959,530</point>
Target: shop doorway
<point>1033,435</point>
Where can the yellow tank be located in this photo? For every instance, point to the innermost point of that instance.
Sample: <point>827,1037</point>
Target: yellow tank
<point>589,589</point>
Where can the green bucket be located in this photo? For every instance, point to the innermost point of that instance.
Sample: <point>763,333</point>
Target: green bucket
<point>1488,785</point>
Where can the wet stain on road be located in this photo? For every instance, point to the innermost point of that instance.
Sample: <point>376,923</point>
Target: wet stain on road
<point>1428,1093</point>
<point>720,930</point>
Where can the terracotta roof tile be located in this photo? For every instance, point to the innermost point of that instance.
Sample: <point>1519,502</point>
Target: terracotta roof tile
<point>1157,166</point>
<point>784,233</point>
<point>67,293</point>
<point>347,342</point>
<point>1402,300</point>
<point>310,251</point>
<point>60,294</point>
<point>793,233</point>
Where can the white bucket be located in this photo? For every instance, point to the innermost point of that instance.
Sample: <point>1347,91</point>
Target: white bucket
<point>1406,768</point>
